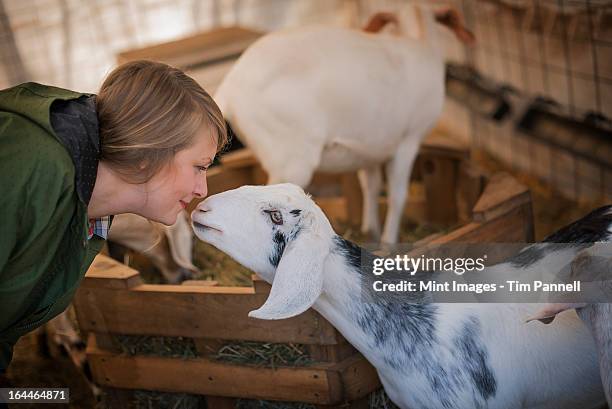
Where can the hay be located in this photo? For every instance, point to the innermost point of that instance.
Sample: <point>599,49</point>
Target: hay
<point>379,400</point>
<point>270,404</point>
<point>265,354</point>
<point>162,400</point>
<point>218,266</point>
<point>170,347</point>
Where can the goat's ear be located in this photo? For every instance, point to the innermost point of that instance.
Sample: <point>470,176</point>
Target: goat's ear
<point>298,280</point>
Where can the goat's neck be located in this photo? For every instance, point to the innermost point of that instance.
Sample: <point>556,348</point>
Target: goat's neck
<point>341,289</point>
<point>371,325</point>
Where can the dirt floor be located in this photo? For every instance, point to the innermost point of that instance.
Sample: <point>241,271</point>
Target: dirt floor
<point>31,369</point>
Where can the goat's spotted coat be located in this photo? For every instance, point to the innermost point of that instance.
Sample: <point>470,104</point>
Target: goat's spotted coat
<point>427,355</point>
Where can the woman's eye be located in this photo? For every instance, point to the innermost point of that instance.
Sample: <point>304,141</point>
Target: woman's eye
<point>276,216</point>
<point>201,169</point>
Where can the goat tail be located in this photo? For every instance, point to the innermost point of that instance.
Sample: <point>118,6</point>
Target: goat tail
<point>451,19</point>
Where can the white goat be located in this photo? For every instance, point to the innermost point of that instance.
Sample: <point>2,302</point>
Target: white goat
<point>338,100</point>
<point>427,355</point>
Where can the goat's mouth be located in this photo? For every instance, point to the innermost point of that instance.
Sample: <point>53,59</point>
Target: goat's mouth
<point>203,227</point>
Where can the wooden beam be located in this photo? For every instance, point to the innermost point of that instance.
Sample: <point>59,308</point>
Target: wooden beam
<point>106,272</point>
<point>440,181</point>
<point>351,190</point>
<point>313,384</point>
<point>359,377</point>
<point>470,184</point>
<point>511,227</point>
<point>203,48</point>
<point>441,145</point>
<point>501,194</point>
<point>193,311</point>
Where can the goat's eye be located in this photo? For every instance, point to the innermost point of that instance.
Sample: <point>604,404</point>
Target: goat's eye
<point>276,216</point>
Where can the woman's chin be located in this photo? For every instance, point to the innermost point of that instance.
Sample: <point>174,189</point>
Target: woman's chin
<point>168,219</point>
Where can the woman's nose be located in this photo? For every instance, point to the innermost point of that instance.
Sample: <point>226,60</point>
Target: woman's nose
<point>201,189</point>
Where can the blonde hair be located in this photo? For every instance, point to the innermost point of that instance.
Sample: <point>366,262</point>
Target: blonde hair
<point>147,112</point>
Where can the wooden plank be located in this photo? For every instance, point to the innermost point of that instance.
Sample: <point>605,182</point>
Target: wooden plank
<point>440,181</point>
<point>351,190</point>
<point>106,272</point>
<point>259,175</point>
<point>512,227</point>
<point>439,144</point>
<point>318,385</point>
<point>326,185</point>
<point>197,49</point>
<point>104,341</point>
<point>470,184</point>
<point>359,378</point>
<point>220,179</point>
<point>502,194</point>
<point>238,159</point>
<point>205,283</point>
<point>198,312</point>
<point>335,208</point>
<point>332,353</point>
<point>260,285</point>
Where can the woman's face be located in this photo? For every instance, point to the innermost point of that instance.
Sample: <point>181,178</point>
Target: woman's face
<point>169,192</point>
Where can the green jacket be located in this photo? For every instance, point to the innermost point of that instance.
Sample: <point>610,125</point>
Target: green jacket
<point>44,251</point>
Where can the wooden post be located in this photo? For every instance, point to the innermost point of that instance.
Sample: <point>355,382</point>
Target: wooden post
<point>440,180</point>
<point>332,353</point>
<point>470,184</point>
<point>351,190</point>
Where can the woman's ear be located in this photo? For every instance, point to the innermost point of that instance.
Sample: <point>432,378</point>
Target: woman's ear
<point>298,280</point>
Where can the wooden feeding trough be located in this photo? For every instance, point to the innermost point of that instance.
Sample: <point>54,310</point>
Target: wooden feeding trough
<point>206,56</point>
<point>113,300</point>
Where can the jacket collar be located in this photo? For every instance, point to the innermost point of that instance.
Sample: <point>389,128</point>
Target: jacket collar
<point>75,123</point>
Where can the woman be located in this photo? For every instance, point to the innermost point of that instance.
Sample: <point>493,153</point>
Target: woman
<point>69,161</point>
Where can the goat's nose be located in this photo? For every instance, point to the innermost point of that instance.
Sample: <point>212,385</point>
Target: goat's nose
<point>203,208</point>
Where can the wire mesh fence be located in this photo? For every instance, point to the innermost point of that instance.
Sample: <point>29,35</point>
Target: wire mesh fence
<point>555,59</point>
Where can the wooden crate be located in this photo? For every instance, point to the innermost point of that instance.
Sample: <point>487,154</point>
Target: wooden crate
<point>113,300</point>
<point>206,56</point>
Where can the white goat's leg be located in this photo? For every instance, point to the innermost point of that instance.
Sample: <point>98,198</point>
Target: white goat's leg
<point>370,180</point>
<point>398,170</point>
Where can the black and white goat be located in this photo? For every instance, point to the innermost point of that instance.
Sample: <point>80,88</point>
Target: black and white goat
<point>336,100</point>
<point>590,263</point>
<point>427,355</point>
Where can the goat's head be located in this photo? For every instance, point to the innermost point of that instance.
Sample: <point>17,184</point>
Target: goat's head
<point>276,231</point>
